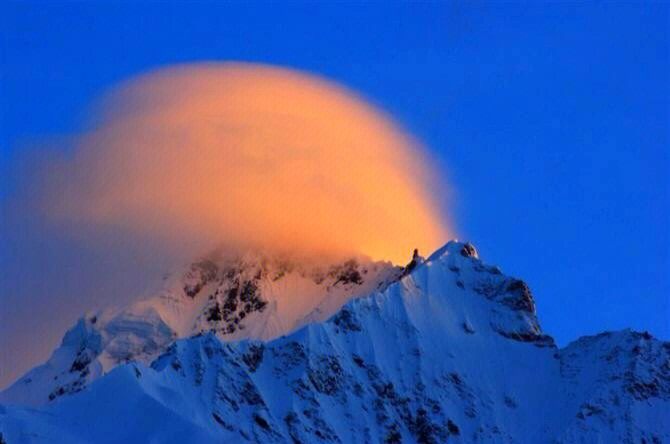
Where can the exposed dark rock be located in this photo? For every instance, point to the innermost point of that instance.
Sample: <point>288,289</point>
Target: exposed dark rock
<point>521,297</point>
<point>424,431</point>
<point>326,374</point>
<point>291,355</point>
<point>412,264</point>
<point>248,292</point>
<point>81,361</point>
<point>229,306</point>
<point>644,390</point>
<point>223,423</point>
<point>346,273</point>
<point>250,394</point>
<point>385,390</point>
<point>214,313</point>
<point>587,410</point>
<point>320,428</point>
<point>291,420</point>
<point>468,250</point>
<point>509,402</point>
<point>453,428</point>
<point>392,437</point>
<point>346,321</point>
<point>261,422</point>
<point>73,387</point>
<point>539,340</point>
<point>358,360</point>
<point>199,275</point>
<point>253,357</point>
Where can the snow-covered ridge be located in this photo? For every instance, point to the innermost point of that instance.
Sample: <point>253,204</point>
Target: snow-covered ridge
<point>252,295</point>
<point>446,349</point>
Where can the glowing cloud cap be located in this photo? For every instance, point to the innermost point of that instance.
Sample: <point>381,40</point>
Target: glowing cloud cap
<point>251,155</point>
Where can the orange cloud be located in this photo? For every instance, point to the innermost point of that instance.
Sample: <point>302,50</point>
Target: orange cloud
<point>250,155</point>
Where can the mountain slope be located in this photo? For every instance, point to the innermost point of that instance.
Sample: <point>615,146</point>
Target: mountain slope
<point>448,349</point>
<point>246,296</point>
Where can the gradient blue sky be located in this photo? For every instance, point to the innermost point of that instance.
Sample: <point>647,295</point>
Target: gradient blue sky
<point>552,119</point>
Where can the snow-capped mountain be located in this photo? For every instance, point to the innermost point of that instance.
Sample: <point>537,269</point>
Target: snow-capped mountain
<point>263,349</point>
<point>253,296</point>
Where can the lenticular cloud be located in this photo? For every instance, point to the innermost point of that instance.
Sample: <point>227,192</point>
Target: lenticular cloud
<point>249,155</point>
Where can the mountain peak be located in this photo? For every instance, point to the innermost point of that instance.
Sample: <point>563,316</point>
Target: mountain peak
<point>267,349</point>
<point>252,294</point>
<point>465,249</point>
<point>258,295</point>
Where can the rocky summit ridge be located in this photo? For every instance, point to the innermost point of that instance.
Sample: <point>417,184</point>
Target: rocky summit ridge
<point>263,349</point>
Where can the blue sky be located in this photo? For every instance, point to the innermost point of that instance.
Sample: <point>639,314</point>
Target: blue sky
<point>551,119</point>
